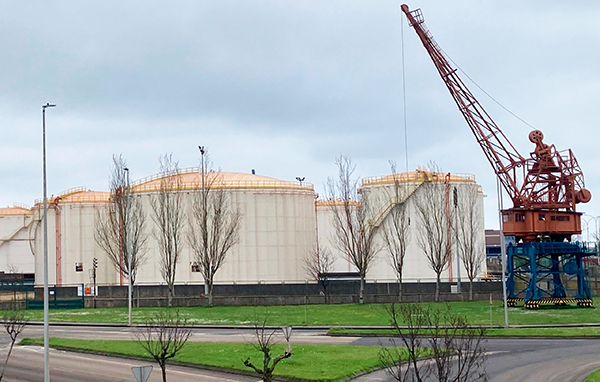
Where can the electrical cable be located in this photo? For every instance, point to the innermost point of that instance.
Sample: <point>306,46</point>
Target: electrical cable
<point>486,93</point>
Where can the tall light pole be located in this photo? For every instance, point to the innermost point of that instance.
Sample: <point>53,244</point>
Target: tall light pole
<point>46,306</point>
<point>502,251</point>
<point>204,212</point>
<point>127,246</point>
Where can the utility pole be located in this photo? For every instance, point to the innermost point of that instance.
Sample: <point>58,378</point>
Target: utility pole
<point>128,246</point>
<point>502,252</point>
<point>94,267</point>
<point>458,285</point>
<point>204,212</point>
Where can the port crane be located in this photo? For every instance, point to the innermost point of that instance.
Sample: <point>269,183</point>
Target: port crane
<point>544,188</point>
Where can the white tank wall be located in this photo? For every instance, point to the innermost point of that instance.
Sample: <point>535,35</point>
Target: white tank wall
<point>15,253</point>
<point>416,265</point>
<point>278,229</point>
<point>76,222</point>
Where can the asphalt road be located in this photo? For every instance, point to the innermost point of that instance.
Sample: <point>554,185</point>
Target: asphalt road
<point>514,360</point>
<point>27,365</point>
<point>527,360</point>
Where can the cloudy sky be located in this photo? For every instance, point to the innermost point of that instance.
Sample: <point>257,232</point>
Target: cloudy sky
<point>284,87</point>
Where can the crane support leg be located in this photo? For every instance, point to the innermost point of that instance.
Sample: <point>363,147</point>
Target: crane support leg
<point>547,273</point>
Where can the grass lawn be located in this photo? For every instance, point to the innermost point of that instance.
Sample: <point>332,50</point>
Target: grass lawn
<point>594,377</point>
<point>309,362</point>
<point>477,312</point>
<point>514,332</point>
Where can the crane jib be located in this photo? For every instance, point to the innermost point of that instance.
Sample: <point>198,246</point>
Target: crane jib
<point>551,181</point>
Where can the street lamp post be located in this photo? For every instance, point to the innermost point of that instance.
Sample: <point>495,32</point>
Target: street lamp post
<point>204,212</point>
<point>502,252</point>
<point>46,306</point>
<point>127,246</point>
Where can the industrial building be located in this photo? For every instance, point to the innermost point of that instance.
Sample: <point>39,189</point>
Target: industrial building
<point>280,225</point>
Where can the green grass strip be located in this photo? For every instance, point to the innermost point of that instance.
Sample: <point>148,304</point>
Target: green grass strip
<point>594,377</point>
<point>496,332</point>
<point>477,312</point>
<point>309,362</point>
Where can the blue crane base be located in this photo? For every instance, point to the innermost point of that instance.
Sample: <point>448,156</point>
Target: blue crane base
<point>547,273</point>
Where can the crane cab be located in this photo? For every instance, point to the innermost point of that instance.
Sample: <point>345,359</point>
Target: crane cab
<point>540,225</point>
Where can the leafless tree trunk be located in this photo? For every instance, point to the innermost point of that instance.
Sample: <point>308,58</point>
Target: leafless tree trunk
<point>396,235</point>
<point>168,215</point>
<point>14,322</point>
<point>120,228</point>
<point>264,342</point>
<point>318,264</point>
<point>354,233</point>
<point>433,236</point>
<point>163,337</point>
<point>214,226</point>
<point>468,232</point>
<point>457,350</point>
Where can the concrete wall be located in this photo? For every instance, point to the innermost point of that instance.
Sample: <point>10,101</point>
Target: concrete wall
<point>288,294</point>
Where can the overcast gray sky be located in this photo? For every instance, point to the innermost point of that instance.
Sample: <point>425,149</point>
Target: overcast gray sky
<point>284,87</point>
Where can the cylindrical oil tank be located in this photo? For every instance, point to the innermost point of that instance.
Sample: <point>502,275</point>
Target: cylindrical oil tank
<point>71,244</point>
<point>382,194</point>
<point>276,233</point>
<point>15,253</point>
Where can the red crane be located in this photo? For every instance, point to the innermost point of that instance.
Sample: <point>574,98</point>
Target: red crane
<point>544,187</point>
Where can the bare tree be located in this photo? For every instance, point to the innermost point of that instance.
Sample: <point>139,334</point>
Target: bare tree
<point>456,350</point>
<point>354,234</point>
<point>168,215</point>
<point>264,342</point>
<point>395,232</point>
<point>163,336</point>
<point>120,228</point>
<point>434,233</point>
<point>318,264</point>
<point>468,232</point>
<point>14,322</point>
<point>214,225</point>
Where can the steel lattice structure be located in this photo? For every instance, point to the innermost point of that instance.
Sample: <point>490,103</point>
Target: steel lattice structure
<point>544,188</point>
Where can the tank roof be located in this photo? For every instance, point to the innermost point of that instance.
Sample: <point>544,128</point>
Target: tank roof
<point>15,211</point>
<point>417,176</point>
<point>191,178</point>
<point>78,195</point>
<point>335,203</point>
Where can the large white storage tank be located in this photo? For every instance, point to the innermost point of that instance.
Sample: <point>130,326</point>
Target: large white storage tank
<point>380,191</point>
<point>15,252</point>
<point>71,243</point>
<point>277,230</point>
